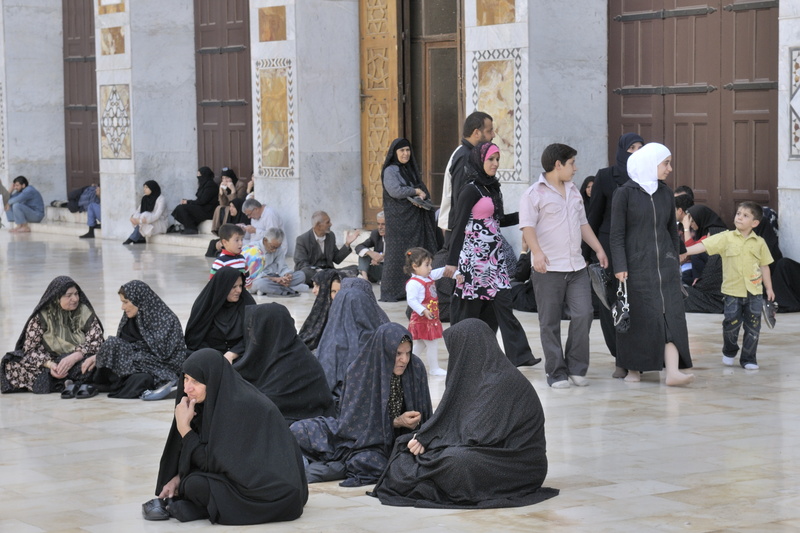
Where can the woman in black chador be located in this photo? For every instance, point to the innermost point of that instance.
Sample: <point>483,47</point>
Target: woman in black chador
<point>644,250</point>
<point>407,225</point>
<point>191,213</point>
<point>229,456</point>
<point>485,445</point>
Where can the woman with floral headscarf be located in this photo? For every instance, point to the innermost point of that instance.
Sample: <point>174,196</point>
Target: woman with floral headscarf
<point>60,334</point>
<point>476,246</point>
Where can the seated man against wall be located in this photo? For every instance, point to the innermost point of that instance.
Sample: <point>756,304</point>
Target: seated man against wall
<point>316,249</point>
<point>267,272</point>
<point>24,205</point>
<point>370,253</point>
<point>261,218</point>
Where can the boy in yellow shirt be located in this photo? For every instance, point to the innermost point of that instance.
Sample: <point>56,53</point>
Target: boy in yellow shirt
<point>745,275</point>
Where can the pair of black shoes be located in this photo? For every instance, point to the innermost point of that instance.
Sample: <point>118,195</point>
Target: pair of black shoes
<point>139,241</point>
<point>166,508</point>
<point>90,233</point>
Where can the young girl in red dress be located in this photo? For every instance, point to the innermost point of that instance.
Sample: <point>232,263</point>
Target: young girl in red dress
<point>425,326</point>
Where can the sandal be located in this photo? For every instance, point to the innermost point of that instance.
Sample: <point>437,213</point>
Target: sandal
<point>69,391</point>
<point>159,393</point>
<point>86,391</point>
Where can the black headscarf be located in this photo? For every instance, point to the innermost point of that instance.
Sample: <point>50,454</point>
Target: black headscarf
<point>206,176</point>
<point>364,420</point>
<point>626,140</point>
<point>477,175</point>
<point>212,307</point>
<point>251,460</point>
<point>353,318</point>
<point>708,222</point>
<point>410,170</point>
<point>485,445</point>
<point>52,294</point>
<point>226,171</point>
<point>148,204</point>
<point>277,362</point>
<point>160,329</point>
<point>314,325</point>
<point>240,217</point>
<point>586,198</point>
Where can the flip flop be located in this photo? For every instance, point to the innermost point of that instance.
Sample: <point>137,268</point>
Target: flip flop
<point>86,391</point>
<point>69,391</point>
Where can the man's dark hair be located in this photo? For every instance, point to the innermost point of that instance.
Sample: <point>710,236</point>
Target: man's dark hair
<point>474,122</point>
<point>22,180</point>
<point>557,152</point>
<point>227,231</point>
<point>685,189</point>
<point>683,201</point>
<point>758,212</point>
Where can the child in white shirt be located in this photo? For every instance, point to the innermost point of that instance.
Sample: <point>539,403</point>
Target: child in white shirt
<point>425,326</point>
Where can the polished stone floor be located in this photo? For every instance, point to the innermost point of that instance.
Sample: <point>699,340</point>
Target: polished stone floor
<point>720,455</point>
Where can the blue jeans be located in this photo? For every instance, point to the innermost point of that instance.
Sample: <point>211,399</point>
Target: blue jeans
<point>93,215</point>
<point>22,214</point>
<point>740,311</point>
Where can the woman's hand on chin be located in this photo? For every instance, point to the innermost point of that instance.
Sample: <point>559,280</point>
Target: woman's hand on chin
<point>184,413</point>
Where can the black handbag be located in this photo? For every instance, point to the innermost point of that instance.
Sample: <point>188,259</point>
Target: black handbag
<point>620,310</point>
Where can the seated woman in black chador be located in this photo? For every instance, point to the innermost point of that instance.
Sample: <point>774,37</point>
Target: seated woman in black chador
<point>148,350</point>
<point>326,285</point>
<point>485,446</point>
<point>217,318</point>
<point>385,395</point>
<point>229,456</point>
<point>61,333</point>
<point>277,362</point>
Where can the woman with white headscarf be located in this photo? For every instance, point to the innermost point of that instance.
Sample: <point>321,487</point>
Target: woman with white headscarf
<point>644,251</point>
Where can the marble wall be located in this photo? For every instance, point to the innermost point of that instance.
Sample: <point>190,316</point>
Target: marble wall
<point>32,102</point>
<point>306,120</point>
<point>789,127</point>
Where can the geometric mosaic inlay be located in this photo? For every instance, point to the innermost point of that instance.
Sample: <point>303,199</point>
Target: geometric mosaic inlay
<point>115,126</point>
<point>794,104</point>
<point>377,17</point>
<point>275,118</point>
<point>496,89</point>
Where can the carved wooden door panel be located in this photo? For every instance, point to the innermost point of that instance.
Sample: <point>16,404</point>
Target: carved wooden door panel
<point>80,95</point>
<point>380,95</point>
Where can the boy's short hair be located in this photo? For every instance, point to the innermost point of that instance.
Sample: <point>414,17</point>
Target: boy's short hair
<point>685,189</point>
<point>754,208</point>
<point>557,152</point>
<point>475,121</point>
<point>226,231</point>
<point>683,201</point>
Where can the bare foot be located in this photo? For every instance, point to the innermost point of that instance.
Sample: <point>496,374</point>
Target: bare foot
<point>634,376</point>
<point>23,229</point>
<point>679,379</point>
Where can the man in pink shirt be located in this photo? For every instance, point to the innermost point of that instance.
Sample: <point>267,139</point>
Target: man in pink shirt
<point>553,223</point>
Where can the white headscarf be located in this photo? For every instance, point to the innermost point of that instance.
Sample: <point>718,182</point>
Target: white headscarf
<point>643,165</point>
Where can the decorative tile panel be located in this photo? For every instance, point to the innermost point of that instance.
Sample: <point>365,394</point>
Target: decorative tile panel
<point>379,137</point>
<point>272,23</point>
<point>794,104</point>
<point>492,12</point>
<point>115,125</point>
<point>112,41</point>
<point>275,118</point>
<point>105,7</point>
<point>497,90</point>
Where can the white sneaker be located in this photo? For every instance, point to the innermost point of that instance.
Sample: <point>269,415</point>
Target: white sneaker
<point>728,361</point>
<point>751,366</point>
<point>563,384</point>
<point>579,381</point>
<point>438,371</point>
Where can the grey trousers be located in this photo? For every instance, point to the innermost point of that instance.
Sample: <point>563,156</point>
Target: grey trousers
<point>552,290</point>
<point>270,287</point>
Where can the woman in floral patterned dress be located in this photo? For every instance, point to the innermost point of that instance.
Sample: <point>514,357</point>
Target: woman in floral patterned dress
<point>61,333</point>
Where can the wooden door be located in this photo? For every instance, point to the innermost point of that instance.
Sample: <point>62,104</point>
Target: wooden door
<point>381,98</point>
<point>702,79</point>
<point>80,95</point>
<point>224,103</point>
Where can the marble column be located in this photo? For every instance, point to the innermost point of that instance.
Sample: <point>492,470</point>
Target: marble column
<point>789,128</point>
<point>306,129</point>
<point>32,95</point>
<point>146,104</point>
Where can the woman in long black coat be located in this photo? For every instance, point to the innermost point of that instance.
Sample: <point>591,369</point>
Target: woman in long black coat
<point>407,226</point>
<point>190,213</point>
<point>645,253</point>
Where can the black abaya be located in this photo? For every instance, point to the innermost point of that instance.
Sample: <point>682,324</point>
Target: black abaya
<point>485,445</point>
<point>239,462</point>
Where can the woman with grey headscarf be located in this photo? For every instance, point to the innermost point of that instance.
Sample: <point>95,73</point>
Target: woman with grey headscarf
<point>645,254</point>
